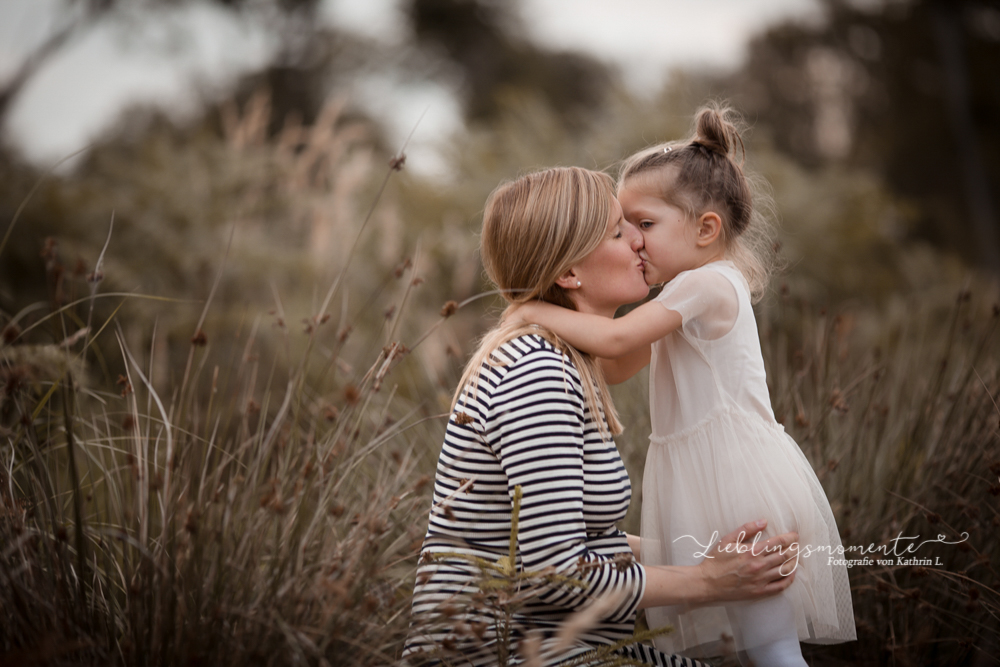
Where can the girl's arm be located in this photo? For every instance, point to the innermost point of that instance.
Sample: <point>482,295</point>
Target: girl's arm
<point>618,370</point>
<point>601,336</point>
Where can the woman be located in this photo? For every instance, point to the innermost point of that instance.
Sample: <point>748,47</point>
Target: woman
<point>531,429</point>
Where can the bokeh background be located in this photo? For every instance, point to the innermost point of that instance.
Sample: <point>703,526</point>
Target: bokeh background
<point>221,184</point>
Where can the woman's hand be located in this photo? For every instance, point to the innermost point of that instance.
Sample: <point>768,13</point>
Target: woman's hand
<point>742,568</point>
<point>736,568</point>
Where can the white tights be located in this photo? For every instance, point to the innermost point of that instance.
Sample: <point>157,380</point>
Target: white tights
<point>767,630</point>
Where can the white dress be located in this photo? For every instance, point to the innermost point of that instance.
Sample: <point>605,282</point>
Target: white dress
<point>718,459</point>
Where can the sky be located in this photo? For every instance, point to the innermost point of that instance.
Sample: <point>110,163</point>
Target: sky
<point>175,58</point>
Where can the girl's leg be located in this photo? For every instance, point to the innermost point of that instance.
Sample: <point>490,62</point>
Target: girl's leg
<point>766,630</point>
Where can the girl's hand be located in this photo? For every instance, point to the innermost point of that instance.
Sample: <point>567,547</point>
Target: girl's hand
<point>513,314</point>
<point>523,313</point>
<point>742,568</point>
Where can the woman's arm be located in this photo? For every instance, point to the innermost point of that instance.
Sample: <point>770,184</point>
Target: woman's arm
<point>602,336</point>
<point>736,569</point>
<point>537,430</point>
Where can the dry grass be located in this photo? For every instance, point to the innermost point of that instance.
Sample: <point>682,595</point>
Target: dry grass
<point>224,523</point>
<point>257,494</point>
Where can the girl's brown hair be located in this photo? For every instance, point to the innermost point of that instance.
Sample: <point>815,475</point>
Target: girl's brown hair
<point>535,228</point>
<point>703,174</point>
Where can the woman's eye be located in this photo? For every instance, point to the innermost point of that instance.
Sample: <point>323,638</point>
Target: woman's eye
<point>645,224</point>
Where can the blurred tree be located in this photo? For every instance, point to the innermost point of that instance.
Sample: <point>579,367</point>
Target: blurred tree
<point>482,39</point>
<point>286,17</point>
<point>908,89</point>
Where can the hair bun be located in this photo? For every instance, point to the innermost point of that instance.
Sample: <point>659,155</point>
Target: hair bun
<point>715,131</point>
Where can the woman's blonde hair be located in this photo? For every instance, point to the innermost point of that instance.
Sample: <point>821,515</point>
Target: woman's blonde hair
<point>535,228</point>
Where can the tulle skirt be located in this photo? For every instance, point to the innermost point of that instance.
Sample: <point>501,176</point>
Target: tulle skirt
<point>732,468</point>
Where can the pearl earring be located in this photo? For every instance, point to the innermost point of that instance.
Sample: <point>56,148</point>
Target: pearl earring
<point>578,283</point>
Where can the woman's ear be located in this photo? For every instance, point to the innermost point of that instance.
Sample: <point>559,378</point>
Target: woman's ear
<point>709,229</point>
<point>568,280</point>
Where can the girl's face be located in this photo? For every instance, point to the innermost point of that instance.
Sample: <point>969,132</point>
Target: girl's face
<point>669,236</point>
<point>612,275</point>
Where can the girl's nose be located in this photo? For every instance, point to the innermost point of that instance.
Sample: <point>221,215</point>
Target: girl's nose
<point>634,236</point>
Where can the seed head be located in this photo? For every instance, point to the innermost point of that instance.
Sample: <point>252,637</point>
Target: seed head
<point>191,523</point>
<point>449,309</point>
<point>199,339</point>
<point>402,267</point>
<point>10,333</point>
<point>338,447</point>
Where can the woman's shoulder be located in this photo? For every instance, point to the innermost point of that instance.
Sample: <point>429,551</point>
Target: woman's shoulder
<point>528,348</point>
<point>521,366</point>
<point>530,363</point>
<point>532,355</point>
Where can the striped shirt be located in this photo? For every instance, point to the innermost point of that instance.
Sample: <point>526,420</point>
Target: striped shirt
<point>527,425</point>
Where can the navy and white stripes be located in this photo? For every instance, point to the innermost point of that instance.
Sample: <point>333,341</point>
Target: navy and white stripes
<point>527,425</point>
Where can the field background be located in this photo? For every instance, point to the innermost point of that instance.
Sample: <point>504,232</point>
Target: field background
<point>230,341</point>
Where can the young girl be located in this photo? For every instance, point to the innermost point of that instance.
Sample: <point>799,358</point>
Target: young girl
<point>717,456</point>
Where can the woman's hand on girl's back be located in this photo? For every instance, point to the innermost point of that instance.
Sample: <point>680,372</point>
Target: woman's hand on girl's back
<point>735,568</point>
<point>743,565</point>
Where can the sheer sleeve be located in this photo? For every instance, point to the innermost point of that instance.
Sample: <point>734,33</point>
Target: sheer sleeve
<point>539,409</point>
<point>706,301</point>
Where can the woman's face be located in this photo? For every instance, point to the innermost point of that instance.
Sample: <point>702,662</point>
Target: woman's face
<point>612,275</point>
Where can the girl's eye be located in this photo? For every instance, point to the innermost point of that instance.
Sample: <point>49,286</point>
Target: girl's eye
<point>645,224</point>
